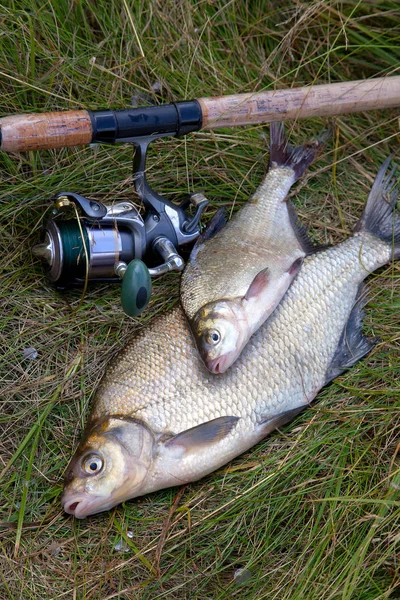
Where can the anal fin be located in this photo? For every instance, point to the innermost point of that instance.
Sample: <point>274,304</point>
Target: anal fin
<point>300,231</point>
<point>268,423</point>
<point>353,345</point>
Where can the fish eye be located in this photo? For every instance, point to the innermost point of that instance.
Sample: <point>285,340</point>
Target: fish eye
<point>213,337</point>
<point>92,464</point>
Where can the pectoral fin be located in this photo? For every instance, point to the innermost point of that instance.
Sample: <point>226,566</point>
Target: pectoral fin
<point>258,285</point>
<point>295,266</point>
<point>202,435</point>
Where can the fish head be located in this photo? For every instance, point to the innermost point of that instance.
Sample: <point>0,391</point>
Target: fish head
<point>221,331</point>
<point>109,466</point>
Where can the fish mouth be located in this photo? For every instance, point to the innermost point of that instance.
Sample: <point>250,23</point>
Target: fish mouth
<point>81,506</point>
<point>220,364</point>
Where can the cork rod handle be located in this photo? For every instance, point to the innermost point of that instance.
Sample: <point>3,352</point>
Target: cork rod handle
<point>45,130</point>
<point>300,103</point>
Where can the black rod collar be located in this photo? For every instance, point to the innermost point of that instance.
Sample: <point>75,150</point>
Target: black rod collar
<point>113,126</point>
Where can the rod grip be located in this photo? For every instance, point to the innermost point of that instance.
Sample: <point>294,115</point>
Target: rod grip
<point>45,130</point>
<point>322,100</point>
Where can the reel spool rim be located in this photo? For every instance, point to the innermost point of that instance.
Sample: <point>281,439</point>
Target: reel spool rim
<point>54,266</point>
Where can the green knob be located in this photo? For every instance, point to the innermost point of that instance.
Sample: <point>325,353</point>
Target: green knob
<point>136,288</point>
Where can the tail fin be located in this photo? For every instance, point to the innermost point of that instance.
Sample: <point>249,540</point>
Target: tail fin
<point>380,216</point>
<point>298,158</point>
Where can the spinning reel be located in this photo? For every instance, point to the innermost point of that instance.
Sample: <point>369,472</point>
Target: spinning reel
<point>110,243</point>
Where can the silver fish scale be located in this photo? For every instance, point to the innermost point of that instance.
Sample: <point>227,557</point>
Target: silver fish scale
<point>160,379</point>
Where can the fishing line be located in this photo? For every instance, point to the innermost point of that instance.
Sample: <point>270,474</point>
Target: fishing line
<point>86,258</point>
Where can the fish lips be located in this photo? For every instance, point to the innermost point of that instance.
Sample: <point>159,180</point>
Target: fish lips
<point>81,506</point>
<point>220,364</point>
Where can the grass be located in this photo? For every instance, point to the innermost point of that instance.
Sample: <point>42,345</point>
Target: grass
<point>312,512</point>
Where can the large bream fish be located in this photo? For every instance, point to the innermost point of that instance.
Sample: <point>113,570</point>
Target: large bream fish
<point>161,419</point>
<point>237,275</point>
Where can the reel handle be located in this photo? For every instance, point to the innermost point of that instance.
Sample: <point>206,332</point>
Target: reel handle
<point>136,286</point>
<point>136,277</point>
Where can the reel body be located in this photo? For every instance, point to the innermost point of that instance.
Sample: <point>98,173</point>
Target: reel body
<point>103,243</point>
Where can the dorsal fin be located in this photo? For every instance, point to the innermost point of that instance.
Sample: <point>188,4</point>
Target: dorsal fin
<point>214,226</point>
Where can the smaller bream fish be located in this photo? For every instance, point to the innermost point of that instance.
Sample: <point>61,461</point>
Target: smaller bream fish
<point>238,272</point>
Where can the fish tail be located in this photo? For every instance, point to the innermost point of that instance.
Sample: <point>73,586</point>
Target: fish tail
<point>380,216</point>
<point>298,158</point>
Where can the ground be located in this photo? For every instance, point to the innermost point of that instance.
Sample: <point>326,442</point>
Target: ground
<point>314,510</point>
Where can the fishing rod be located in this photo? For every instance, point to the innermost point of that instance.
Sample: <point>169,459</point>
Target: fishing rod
<point>114,242</point>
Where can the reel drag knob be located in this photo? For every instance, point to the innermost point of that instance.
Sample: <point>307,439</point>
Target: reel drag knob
<point>136,286</point>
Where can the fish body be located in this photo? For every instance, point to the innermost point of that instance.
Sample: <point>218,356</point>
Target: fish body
<point>160,418</point>
<point>238,272</point>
